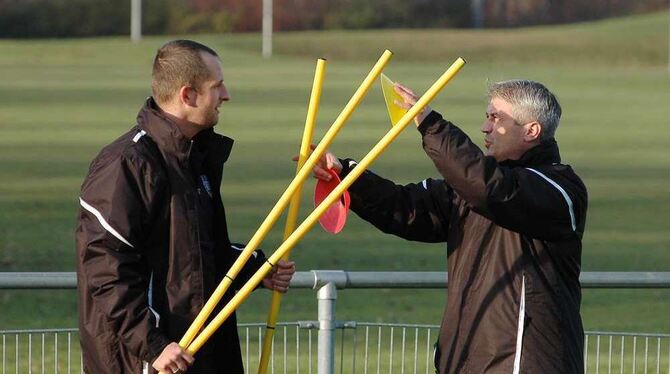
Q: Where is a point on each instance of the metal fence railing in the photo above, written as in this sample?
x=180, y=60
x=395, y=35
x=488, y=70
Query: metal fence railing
x=361, y=347
x=609, y=352
x=40, y=351
x=329, y=346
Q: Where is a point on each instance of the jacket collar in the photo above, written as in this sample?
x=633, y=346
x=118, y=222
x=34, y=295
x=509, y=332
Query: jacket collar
x=165, y=133
x=545, y=153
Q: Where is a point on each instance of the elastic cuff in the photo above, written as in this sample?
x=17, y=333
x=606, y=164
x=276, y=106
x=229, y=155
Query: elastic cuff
x=259, y=260
x=157, y=342
x=347, y=165
x=430, y=119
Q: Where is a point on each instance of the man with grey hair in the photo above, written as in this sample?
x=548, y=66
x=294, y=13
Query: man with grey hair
x=513, y=218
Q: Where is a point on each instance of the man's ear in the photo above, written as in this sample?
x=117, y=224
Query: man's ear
x=188, y=95
x=533, y=131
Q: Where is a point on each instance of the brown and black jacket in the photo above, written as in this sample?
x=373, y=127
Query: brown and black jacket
x=152, y=245
x=514, y=241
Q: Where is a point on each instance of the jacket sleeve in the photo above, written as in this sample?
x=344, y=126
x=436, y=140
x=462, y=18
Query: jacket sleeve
x=417, y=211
x=116, y=208
x=520, y=199
x=255, y=262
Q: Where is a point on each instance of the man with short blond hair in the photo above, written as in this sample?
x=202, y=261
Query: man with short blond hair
x=513, y=218
x=152, y=240
x=177, y=64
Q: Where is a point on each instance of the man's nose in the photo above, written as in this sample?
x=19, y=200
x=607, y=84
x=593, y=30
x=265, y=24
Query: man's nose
x=486, y=127
x=225, y=95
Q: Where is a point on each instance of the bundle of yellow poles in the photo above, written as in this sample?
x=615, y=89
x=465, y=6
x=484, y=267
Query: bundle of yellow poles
x=192, y=343
x=283, y=201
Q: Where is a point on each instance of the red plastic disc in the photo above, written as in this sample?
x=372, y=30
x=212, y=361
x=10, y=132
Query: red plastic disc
x=336, y=216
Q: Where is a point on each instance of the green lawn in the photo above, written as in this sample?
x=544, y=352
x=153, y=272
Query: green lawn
x=62, y=100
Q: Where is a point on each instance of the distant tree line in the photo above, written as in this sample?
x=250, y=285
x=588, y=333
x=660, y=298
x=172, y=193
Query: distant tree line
x=78, y=18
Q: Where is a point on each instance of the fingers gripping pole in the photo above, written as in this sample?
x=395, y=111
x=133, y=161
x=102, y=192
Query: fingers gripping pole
x=276, y=211
x=321, y=209
x=294, y=206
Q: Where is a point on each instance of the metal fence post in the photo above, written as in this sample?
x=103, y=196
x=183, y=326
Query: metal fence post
x=326, y=356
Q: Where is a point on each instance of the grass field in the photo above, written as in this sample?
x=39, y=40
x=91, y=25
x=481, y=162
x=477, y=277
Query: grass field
x=62, y=100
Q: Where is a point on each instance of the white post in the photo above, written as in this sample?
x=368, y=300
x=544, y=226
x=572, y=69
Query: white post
x=267, y=28
x=136, y=20
x=477, y=13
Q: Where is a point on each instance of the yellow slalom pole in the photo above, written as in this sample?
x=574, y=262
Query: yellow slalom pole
x=276, y=211
x=311, y=220
x=293, y=207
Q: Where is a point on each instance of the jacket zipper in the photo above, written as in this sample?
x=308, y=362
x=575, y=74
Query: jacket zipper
x=197, y=216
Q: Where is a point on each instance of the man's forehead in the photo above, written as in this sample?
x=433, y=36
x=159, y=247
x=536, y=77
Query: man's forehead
x=214, y=65
x=498, y=105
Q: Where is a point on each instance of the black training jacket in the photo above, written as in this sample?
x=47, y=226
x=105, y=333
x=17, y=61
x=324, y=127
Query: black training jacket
x=152, y=245
x=514, y=241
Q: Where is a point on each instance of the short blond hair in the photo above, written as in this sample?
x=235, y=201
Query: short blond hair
x=178, y=63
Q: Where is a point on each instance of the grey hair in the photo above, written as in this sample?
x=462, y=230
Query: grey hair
x=531, y=101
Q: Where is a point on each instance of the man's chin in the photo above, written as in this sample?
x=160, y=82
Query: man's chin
x=213, y=122
x=496, y=156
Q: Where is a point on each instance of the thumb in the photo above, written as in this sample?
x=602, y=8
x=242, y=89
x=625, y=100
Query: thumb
x=333, y=163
